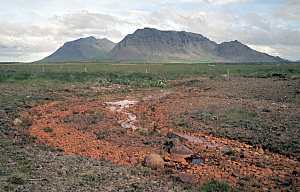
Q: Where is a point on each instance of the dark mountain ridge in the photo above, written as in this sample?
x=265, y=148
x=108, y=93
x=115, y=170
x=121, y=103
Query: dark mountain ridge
x=153, y=45
x=83, y=49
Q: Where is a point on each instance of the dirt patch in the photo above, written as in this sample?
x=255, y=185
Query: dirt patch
x=220, y=158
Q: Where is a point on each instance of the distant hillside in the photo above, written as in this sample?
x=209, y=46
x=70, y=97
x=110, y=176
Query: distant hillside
x=155, y=45
x=83, y=49
x=235, y=51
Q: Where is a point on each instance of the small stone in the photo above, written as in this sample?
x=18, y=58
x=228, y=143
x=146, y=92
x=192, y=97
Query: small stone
x=242, y=154
x=18, y=122
x=154, y=161
x=228, y=151
x=260, y=150
x=187, y=178
x=265, y=110
x=167, y=157
x=197, y=160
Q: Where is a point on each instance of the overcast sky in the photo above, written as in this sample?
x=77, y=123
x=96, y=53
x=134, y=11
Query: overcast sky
x=32, y=29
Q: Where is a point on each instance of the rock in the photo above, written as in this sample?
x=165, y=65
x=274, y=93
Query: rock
x=171, y=135
x=18, y=122
x=187, y=178
x=242, y=153
x=180, y=153
x=260, y=150
x=265, y=110
x=228, y=151
x=182, y=150
x=178, y=159
x=154, y=161
x=195, y=159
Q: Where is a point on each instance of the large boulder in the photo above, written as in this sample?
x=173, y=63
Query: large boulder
x=154, y=161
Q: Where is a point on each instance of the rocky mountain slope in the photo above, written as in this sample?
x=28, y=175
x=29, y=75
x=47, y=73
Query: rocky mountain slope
x=155, y=45
x=83, y=49
x=235, y=51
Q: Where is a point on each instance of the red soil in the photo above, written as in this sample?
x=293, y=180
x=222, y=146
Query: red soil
x=126, y=147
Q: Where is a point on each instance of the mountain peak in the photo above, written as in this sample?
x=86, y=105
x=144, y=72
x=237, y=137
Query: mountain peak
x=90, y=38
x=83, y=49
x=235, y=42
x=146, y=29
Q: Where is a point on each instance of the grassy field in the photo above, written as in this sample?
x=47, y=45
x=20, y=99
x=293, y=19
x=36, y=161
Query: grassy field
x=80, y=72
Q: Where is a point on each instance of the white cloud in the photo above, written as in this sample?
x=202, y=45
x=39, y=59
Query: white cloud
x=290, y=10
x=23, y=40
x=31, y=42
x=223, y=2
x=217, y=2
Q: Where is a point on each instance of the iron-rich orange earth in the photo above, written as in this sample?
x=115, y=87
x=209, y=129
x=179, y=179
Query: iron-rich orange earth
x=92, y=129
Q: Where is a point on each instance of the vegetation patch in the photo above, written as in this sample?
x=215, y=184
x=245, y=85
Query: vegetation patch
x=182, y=122
x=216, y=186
x=102, y=134
x=16, y=180
x=240, y=117
x=204, y=116
x=48, y=129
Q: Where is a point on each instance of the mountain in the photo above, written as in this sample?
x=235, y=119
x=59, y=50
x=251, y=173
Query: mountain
x=154, y=45
x=235, y=51
x=83, y=49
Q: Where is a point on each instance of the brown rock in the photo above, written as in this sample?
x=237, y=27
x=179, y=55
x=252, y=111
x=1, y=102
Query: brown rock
x=179, y=158
x=187, y=178
x=182, y=151
x=260, y=150
x=154, y=161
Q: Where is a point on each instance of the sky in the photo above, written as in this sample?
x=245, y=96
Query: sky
x=33, y=29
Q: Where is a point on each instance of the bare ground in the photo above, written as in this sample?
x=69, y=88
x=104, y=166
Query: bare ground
x=245, y=131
